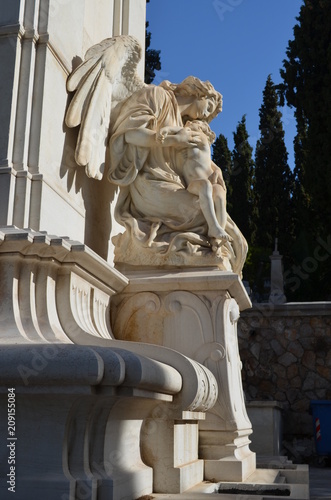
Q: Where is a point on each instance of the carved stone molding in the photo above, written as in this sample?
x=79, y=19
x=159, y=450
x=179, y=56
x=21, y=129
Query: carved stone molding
x=53, y=289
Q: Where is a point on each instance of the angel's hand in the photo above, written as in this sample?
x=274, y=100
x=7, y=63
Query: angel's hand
x=187, y=138
x=165, y=131
x=159, y=137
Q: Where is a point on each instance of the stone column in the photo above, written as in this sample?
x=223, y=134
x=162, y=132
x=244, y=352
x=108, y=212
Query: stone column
x=196, y=313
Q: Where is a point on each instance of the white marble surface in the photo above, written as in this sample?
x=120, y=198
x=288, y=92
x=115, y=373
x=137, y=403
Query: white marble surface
x=41, y=185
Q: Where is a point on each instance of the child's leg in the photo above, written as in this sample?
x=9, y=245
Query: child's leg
x=219, y=197
x=204, y=189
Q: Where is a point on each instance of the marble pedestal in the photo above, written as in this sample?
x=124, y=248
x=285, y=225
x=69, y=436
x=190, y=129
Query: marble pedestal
x=195, y=312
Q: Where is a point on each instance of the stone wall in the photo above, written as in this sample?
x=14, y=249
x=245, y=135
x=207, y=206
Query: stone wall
x=286, y=356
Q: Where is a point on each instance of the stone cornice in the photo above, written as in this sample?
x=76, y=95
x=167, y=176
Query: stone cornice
x=189, y=280
x=12, y=30
x=19, y=31
x=61, y=249
x=291, y=309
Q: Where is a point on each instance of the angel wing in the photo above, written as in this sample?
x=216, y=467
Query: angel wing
x=107, y=76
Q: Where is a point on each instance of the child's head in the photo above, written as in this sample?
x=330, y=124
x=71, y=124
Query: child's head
x=202, y=127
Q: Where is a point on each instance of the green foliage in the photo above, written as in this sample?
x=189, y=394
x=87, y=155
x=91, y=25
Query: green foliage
x=222, y=158
x=306, y=86
x=273, y=177
x=242, y=182
x=152, y=58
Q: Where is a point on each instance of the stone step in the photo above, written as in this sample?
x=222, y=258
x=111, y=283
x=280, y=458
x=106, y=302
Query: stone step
x=263, y=476
x=280, y=479
x=255, y=489
x=274, y=462
x=263, y=484
x=209, y=492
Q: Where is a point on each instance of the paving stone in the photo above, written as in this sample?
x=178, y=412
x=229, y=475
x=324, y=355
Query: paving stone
x=292, y=371
x=296, y=349
x=276, y=346
x=255, y=349
x=309, y=359
x=306, y=330
x=324, y=372
x=296, y=382
x=287, y=359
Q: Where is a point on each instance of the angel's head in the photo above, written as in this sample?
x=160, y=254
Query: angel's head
x=207, y=103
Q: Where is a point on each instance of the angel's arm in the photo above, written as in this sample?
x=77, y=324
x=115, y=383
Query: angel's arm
x=143, y=137
x=147, y=138
x=170, y=130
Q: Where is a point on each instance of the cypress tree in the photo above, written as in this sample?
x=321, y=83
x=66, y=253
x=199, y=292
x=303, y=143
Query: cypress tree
x=241, y=181
x=222, y=158
x=152, y=57
x=273, y=177
x=306, y=86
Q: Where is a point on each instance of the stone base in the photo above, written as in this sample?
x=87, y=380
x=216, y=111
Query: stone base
x=230, y=468
x=293, y=482
x=196, y=251
x=195, y=312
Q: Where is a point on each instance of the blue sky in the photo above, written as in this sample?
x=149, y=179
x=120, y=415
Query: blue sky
x=235, y=44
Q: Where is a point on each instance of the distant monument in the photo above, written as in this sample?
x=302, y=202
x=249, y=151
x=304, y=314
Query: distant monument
x=277, y=295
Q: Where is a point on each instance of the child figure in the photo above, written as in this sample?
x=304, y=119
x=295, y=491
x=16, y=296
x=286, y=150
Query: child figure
x=202, y=177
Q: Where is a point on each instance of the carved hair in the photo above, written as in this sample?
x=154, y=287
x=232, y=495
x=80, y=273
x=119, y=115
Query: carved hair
x=193, y=86
x=203, y=127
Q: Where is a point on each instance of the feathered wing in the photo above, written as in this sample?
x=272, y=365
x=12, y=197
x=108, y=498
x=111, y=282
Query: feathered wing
x=107, y=76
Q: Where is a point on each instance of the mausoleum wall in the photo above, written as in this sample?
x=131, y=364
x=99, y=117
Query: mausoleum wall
x=286, y=356
x=41, y=186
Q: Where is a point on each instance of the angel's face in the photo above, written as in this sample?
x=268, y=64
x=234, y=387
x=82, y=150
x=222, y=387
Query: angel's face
x=201, y=108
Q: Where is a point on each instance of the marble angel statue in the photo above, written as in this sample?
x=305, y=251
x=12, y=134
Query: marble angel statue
x=154, y=143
